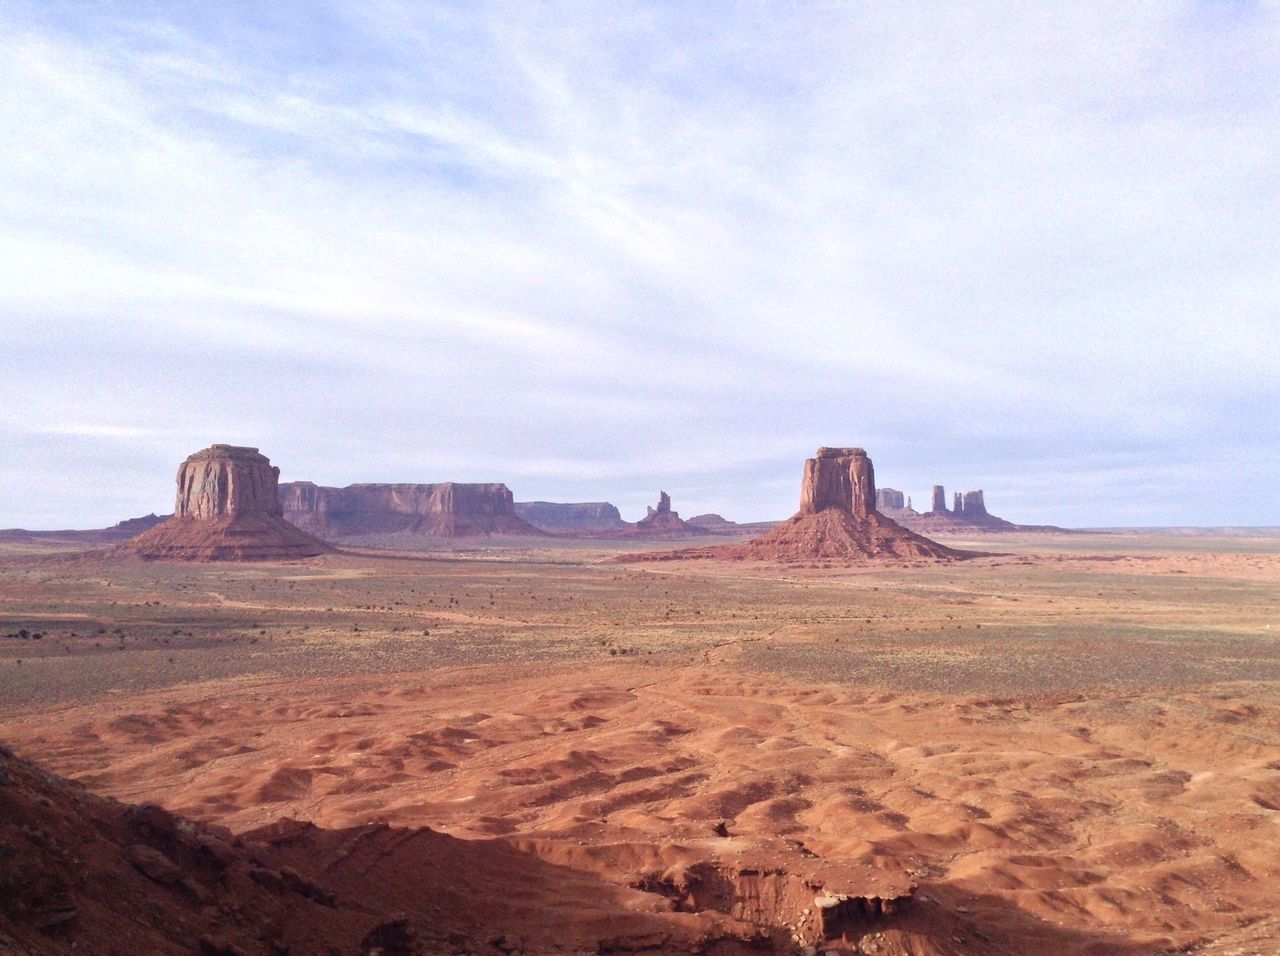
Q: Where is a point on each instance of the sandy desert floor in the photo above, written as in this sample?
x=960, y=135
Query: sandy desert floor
x=1073, y=747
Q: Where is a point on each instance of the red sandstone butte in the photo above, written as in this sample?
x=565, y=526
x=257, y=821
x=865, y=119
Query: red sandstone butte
x=838, y=519
x=226, y=510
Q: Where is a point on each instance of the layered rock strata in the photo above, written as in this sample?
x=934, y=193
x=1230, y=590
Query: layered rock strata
x=569, y=517
x=889, y=498
x=226, y=510
x=363, y=513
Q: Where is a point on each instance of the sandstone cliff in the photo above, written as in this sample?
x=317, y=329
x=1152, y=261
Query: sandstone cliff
x=396, y=513
x=889, y=499
x=569, y=517
x=226, y=509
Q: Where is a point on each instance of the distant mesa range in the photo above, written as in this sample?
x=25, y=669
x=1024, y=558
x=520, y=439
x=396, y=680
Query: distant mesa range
x=230, y=505
x=600, y=519
x=968, y=513
x=837, y=520
x=570, y=517
x=390, y=514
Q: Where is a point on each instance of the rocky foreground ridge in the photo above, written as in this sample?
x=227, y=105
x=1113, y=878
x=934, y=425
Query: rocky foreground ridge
x=83, y=873
x=226, y=510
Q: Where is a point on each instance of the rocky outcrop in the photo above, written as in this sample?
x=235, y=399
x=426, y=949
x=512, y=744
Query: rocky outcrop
x=82, y=873
x=718, y=524
x=395, y=513
x=968, y=513
x=662, y=522
x=837, y=520
x=889, y=499
x=226, y=510
x=664, y=506
x=225, y=480
x=570, y=517
x=939, y=500
x=839, y=478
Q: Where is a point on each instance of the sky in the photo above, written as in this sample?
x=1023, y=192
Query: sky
x=595, y=250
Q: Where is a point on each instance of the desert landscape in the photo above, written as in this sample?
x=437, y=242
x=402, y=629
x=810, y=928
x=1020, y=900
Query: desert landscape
x=1017, y=743
x=640, y=478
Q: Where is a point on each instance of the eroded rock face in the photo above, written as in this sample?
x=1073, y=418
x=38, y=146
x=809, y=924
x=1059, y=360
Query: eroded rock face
x=571, y=516
x=445, y=509
x=227, y=480
x=662, y=522
x=840, y=478
x=939, y=504
x=889, y=499
x=226, y=510
x=972, y=504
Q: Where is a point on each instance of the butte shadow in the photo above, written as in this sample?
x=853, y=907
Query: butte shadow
x=837, y=521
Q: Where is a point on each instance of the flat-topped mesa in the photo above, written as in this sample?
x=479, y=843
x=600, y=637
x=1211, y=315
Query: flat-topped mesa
x=570, y=517
x=972, y=504
x=889, y=499
x=372, y=514
x=226, y=480
x=840, y=478
x=226, y=509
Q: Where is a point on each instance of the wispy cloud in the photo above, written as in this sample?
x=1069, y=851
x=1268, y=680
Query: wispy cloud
x=563, y=245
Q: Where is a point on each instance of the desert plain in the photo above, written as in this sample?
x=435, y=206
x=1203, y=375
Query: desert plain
x=1069, y=746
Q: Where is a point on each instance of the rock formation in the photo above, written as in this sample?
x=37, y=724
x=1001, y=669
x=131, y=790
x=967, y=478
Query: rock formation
x=939, y=500
x=889, y=499
x=570, y=517
x=94, y=538
x=839, y=478
x=396, y=513
x=837, y=520
x=664, y=506
x=662, y=522
x=968, y=513
x=226, y=509
x=718, y=524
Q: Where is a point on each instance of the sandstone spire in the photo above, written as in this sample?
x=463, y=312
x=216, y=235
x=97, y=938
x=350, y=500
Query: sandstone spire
x=939, y=500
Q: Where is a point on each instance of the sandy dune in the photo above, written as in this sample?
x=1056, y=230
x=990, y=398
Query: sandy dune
x=1062, y=752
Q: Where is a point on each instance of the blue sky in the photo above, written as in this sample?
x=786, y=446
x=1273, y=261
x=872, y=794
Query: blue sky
x=594, y=250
